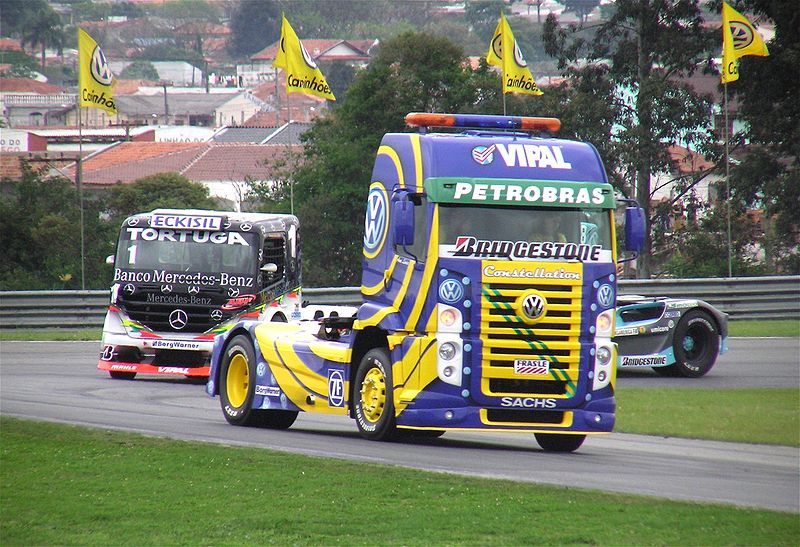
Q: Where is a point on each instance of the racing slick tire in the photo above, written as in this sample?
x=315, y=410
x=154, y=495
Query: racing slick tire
x=559, y=442
x=696, y=345
x=117, y=375
x=373, y=396
x=237, y=388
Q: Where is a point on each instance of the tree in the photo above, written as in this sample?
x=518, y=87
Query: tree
x=40, y=235
x=413, y=72
x=582, y=8
x=254, y=25
x=640, y=58
x=768, y=176
x=16, y=14
x=44, y=28
x=140, y=70
x=168, y=190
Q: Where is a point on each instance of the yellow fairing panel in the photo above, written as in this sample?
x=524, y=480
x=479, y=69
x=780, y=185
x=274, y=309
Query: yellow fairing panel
x=299, y=361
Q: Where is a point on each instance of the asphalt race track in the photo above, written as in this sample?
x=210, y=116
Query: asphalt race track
x=58, y=381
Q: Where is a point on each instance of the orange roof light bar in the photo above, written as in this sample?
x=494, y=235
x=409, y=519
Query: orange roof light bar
x=483, y=121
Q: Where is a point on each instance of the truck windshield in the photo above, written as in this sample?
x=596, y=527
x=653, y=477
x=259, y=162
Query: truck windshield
x=187, y=251
x=491, y=229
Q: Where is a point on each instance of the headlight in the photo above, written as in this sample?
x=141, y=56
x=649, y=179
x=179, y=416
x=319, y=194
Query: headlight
x=449, y=365
x=449, y=318
x=603, y=355
x=604, y=324
x=447, y=351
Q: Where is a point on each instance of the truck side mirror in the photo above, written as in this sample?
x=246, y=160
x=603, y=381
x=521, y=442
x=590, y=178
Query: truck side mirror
x=403, y=211
x=634, y=229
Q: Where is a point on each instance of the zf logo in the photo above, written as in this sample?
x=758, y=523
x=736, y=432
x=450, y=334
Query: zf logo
x=335, y=388
x=451, y=291
x=376, y=221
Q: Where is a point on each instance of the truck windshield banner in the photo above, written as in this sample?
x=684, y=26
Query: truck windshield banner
x=472, y=247
x=520, y=192
x=186, y=222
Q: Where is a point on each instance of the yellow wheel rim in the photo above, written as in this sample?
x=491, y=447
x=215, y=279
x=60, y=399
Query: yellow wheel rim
x=238, y=380
x=373, y=394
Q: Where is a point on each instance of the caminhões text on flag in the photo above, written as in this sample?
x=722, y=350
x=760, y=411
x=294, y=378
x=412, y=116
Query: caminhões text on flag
x=302, y=73
x=95, y=80
x=505, y=53
x=739, y=38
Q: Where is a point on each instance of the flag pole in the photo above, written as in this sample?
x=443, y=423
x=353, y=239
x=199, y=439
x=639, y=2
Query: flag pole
x=727, y=180
x=79, y=184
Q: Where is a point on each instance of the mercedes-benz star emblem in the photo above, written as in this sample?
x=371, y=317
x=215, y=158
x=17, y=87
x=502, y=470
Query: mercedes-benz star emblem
x=194, y=290
x=233, y=292
x=178, y=319
x=216, y=315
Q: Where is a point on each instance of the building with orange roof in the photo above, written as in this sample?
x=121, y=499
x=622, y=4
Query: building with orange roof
x=259, y=69
x=226, y=169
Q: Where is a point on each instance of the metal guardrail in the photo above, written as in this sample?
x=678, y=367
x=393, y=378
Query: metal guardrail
x=740, y=297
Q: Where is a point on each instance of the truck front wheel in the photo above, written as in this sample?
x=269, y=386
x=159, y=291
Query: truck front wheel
x=237, y=389
x=374, y=396
x=557, y=442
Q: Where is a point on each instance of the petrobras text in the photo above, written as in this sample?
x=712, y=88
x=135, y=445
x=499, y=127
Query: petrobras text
x=533, y=194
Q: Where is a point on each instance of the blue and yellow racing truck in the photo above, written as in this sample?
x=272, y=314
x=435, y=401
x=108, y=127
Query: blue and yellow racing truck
x=488, y=287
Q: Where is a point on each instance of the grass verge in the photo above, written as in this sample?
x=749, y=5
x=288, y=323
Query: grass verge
x=783, y=328
x=67, y=485
x=749, y=415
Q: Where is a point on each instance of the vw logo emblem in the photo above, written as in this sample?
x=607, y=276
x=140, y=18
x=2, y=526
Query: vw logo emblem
x=216, y=315
x=194, y=290
x=376, y=221
x=605, y=296
x=532, y=306
x=451, y=291
x=178, y=319
x=99, y=68
x=233, y=292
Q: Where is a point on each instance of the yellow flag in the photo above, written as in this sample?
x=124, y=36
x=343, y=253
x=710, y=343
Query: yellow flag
x=505, y=53
x=739, y=38
x=302, y=73
x=94, y=77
